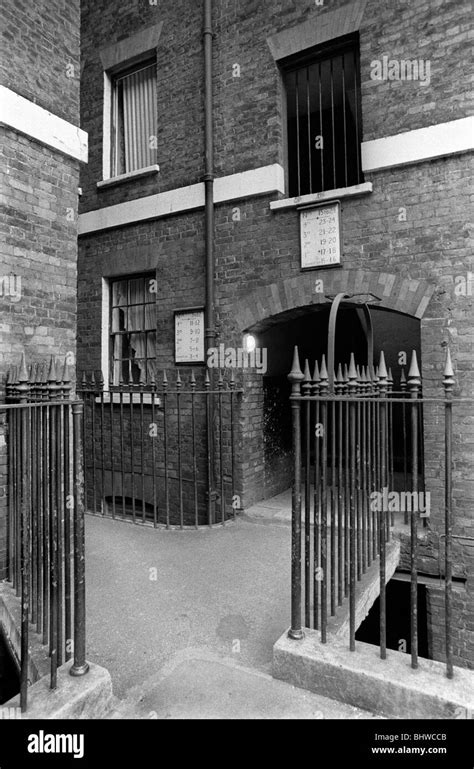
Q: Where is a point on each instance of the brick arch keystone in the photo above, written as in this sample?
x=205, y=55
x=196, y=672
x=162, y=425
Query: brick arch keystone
x=404, y=295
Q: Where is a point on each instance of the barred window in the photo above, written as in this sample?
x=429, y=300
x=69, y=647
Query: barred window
x=134, y=122
x=133, y=330
x=324, y=120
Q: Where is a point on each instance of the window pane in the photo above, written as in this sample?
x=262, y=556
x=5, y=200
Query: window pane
x=316, y=132
x=119, y=293
x=150, y=317
x=151, y=345
x=338, y=118
x=138, y=345
x=135, y=318
x=118, y=319
x=118, y=346
x=139, y=118
x=151, y=371
x=292, y=133
x=136, y=291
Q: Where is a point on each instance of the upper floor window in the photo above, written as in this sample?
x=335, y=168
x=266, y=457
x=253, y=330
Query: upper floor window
x=324, y=119
x=134, y=122
x=133, y=329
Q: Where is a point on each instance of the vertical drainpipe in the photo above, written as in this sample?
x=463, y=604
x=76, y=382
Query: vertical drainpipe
x=210, y=333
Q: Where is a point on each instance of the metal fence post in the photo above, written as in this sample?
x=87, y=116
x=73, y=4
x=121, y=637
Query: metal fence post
x=414, y=382
x=23, y=390
x=448, y=384
x=80, y=666
x=383, y=514
x=296, y=377
x=352, y=386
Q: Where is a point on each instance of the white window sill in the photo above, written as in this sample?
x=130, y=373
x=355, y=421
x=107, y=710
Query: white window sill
x=124, y=397
x=131, y=175
x=319, y=197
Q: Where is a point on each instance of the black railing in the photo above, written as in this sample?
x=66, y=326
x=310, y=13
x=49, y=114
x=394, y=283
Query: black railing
x=153, y=456
x=45, y=546
x=359, y=460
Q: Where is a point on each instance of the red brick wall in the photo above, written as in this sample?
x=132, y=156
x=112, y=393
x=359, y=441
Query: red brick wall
x=40, y=54
x=40, y=61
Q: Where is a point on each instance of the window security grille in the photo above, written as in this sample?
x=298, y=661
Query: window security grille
x=324, y=122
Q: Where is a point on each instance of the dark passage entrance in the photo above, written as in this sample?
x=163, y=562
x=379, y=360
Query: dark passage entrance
x=398, y=620
x=396, y=334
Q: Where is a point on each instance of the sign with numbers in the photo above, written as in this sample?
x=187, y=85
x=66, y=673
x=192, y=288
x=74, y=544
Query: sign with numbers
x=320, y=232
x=189, y=336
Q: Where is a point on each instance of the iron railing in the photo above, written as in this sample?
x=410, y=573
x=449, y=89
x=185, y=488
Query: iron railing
x=45, y=541
x=358, y=457
x=154, y=457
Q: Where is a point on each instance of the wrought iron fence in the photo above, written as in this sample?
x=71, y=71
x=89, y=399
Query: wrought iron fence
x=45, y=531
x=358, y=456
x=157, y=456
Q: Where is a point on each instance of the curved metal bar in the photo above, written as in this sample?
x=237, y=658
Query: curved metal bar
x=332, y=336
x=363, y=313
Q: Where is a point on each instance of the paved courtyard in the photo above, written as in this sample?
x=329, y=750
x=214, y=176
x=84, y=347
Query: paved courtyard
x=185, y=621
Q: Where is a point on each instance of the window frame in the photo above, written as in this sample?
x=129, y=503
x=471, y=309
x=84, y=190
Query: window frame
x=135, y=64
x=121, y=73
x=148, y=275
x=299, y=61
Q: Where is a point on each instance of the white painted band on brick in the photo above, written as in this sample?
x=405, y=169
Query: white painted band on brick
x=32, y=120
x=259, y=181
x=322, y=197
x=416, y=146
x=141, y=209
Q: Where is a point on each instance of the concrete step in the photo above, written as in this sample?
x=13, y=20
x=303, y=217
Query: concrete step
x=213, y=688
x=390, y=686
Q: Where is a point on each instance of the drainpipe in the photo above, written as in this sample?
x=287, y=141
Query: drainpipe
x=210, y=333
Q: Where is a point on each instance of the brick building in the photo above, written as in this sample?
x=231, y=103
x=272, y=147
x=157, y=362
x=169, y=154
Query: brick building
x=364, y=104
x=41, y=151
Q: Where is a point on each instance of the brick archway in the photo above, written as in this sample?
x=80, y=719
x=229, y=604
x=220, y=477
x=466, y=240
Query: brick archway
x=404, y=295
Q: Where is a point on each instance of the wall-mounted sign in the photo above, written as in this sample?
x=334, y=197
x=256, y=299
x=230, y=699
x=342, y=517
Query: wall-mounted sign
x=189, y=336
x=320, y=233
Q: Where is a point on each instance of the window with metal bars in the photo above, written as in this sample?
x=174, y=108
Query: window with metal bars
x=133, y=330
x=134, y=120
x=324, y=119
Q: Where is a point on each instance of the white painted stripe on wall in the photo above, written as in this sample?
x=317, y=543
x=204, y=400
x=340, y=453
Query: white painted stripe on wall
x=141, y=209
x=259, y=181
x=28, y=118
x=416, y=146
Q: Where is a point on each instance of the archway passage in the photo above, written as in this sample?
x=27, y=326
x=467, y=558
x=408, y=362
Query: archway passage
x=396, y=334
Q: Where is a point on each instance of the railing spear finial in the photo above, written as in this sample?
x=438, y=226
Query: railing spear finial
x=382, y=371
x=414, y=376
x=306, y=386
x=296, y=375
x=448, y=375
